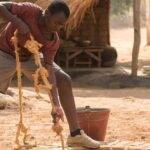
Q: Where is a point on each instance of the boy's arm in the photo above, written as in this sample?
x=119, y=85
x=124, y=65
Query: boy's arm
x=57, y=112
x=52, y=80
x=48, y=55
x=48, y=50
x=8, y=16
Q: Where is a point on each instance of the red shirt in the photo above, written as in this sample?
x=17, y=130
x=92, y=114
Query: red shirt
x=29, y=13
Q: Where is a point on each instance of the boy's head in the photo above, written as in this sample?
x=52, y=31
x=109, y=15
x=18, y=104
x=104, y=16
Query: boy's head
x=56, y=15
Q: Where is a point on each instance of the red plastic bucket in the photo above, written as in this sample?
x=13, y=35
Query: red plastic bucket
x=94, y=121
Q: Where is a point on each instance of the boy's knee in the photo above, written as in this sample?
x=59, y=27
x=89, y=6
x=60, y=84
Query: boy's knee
x=63, y=79
x=66, y=79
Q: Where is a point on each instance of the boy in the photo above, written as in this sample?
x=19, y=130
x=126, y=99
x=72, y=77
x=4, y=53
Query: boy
x=43, y=25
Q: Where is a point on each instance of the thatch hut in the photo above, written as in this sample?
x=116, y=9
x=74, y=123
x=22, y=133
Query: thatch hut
x=89, y=19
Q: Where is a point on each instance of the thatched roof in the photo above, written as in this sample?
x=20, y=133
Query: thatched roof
x=78, y=10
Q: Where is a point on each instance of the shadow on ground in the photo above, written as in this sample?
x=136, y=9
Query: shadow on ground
x=117, y=81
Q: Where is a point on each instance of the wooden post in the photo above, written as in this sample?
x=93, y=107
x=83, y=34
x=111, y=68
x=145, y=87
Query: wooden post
x=137, y=36
x=148, y=21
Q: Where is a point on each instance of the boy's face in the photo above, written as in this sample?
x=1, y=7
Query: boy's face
x=55, y=22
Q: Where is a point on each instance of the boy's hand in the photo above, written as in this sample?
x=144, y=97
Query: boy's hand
x=23, y=28
x=21, y=25
x=23, y=31
x=57, y=114
x=22, y=38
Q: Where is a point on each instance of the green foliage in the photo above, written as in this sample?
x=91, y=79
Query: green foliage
x=120, y=7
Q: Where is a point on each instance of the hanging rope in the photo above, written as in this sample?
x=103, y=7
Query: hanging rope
x=41, y=73
x=21, y=135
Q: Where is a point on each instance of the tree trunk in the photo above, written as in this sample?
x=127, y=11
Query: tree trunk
x=148, y=21
x=137, y=36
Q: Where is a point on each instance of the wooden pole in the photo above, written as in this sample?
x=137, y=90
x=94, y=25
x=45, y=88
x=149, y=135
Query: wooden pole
x=148, y=21
x=137, y=36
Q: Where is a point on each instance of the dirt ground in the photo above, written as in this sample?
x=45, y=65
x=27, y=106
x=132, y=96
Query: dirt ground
x=122, y=39
x=129, y=118
x=130, y=108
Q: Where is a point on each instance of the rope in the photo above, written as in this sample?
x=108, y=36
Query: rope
x=21, y=135
x=42, y=73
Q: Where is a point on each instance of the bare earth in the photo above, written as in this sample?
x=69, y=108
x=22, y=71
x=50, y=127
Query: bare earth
x=130, y=108
x=122, y=40
x=129, y=118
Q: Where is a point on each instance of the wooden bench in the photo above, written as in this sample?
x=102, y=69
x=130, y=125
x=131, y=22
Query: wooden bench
x=71, y=55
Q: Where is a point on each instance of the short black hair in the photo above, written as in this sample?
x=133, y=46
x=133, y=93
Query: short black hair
x=59, y=6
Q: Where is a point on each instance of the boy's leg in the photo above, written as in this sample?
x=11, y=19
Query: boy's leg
x=64, y=89
x=7, y=71
x=77, y=137
x=64, y=86
x=67, y=101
